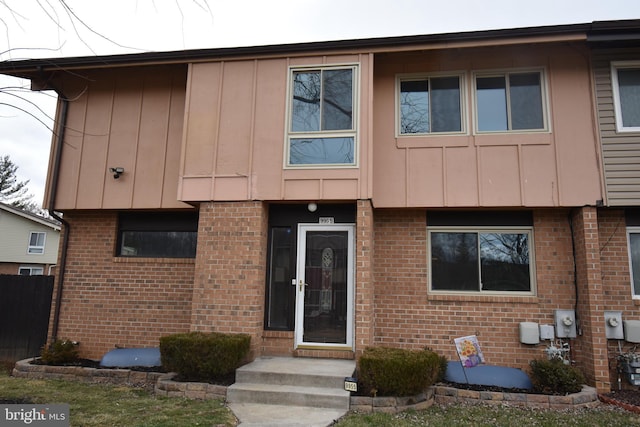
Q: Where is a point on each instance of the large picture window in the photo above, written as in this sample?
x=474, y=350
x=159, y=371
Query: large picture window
x=322, y=128
x=625, y=78
x=511, y=101
x=157, y=235
x=430, y=105
x=471, y=253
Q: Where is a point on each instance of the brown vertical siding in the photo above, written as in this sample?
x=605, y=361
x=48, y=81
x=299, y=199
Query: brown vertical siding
x=130, y=118
x=535, y=169
x=620, y=151
x=235, y=129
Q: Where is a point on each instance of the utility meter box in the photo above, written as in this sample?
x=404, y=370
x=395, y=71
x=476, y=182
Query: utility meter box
x=565, y=323
x=529, y=333
x=632, y=331
x=613, y=325
x=546, y=332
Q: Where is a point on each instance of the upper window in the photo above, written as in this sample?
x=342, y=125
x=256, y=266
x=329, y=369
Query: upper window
x=481, y=258
x=322, y=128
x=36, y=242
x=625, y=79
x=158, y=235
x=430, y=105
x=511, y=101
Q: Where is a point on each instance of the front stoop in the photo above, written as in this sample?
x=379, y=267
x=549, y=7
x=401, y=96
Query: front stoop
x=289, y=391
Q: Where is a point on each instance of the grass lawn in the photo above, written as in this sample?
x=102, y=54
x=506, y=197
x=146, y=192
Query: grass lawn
x=107, y=405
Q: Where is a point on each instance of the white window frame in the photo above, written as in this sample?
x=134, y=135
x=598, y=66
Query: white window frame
x=630, y=231
x=615, y=66
x=544, y=94
x=462, y=78
x=528, y=230
x=33, y=271
x=352, y=133
x=37, y=249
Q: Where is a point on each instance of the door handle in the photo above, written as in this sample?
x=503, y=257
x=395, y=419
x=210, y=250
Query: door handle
x=301, y=285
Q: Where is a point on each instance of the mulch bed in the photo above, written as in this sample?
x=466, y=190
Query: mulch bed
x=627, y=399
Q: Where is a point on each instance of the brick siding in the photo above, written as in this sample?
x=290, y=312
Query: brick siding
x=408, y=316
x=229, y=285
x=109, y=301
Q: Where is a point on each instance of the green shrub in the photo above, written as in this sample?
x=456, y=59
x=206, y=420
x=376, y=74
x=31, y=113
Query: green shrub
x=386, y=371
x=205, y=357
x=554, y=377
x=60, y=352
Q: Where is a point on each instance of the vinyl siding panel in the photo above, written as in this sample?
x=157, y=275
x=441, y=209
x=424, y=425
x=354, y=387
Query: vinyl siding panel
x=14, y=240
x=620, y=151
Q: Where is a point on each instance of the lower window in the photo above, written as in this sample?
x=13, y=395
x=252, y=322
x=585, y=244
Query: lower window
x=30, y=271
x=157, y=235
x=492, y=260
x=633, y=234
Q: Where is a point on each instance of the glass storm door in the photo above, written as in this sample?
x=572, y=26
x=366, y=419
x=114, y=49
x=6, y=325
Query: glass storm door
x=324, y=286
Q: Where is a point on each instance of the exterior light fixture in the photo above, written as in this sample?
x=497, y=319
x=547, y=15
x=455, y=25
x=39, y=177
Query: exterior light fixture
x=117, y=171
x=312, y=207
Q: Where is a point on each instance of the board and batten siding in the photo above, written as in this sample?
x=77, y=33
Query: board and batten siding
x=620, y=151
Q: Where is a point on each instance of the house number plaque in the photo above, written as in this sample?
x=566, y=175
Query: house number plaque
x=325, y=220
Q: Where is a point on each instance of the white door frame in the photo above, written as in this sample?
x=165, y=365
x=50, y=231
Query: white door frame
x=300, y=284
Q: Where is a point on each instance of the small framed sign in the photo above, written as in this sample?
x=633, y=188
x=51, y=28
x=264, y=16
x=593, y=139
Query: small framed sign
x=350, y=384
x=326, y=220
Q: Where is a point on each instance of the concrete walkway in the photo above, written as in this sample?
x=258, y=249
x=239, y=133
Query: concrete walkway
x=287, y=391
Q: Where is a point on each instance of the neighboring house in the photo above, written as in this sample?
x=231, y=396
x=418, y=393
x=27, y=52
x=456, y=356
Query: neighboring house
x=325, y=197
x=28, y=242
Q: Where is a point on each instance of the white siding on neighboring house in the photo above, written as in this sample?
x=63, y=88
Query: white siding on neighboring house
x=15, y=232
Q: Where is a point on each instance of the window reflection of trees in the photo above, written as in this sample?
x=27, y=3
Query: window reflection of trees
x=321, y=151
x=503, y=263
x=322, y=100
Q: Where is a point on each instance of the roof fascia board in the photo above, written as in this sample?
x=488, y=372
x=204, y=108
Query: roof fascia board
x=27, y=68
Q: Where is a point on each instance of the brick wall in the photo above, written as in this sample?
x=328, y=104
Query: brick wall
x=9, y=268
x=616, y=280
x=230, y=264
x=108, y=301
x=364, y=292
x=408, y=316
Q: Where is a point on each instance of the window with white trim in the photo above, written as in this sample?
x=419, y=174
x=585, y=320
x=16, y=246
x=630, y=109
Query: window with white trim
x=322, y=117
x=510, y=101
x=625, y=80
x=430, y=104
x=477, y=256
x=36, y=242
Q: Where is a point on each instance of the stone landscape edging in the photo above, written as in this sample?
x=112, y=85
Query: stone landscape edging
x=162, y=384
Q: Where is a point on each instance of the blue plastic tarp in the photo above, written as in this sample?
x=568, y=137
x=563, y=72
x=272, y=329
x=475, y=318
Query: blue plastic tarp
x=131, y=357
x=488, y=375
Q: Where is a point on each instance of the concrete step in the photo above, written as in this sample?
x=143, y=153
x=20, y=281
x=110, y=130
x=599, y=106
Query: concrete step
x=270, y=394
x=294, y=381
x=258, y=415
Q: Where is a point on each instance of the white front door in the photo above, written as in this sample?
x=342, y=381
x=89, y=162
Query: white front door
x=325, y=286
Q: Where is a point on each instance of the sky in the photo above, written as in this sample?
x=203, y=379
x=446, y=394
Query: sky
x=45, y=29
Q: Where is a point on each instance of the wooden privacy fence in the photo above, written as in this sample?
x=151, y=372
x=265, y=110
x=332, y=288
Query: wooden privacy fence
x=25, y=302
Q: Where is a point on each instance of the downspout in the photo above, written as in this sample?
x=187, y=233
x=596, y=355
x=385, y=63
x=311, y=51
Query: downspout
x=64, y=107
